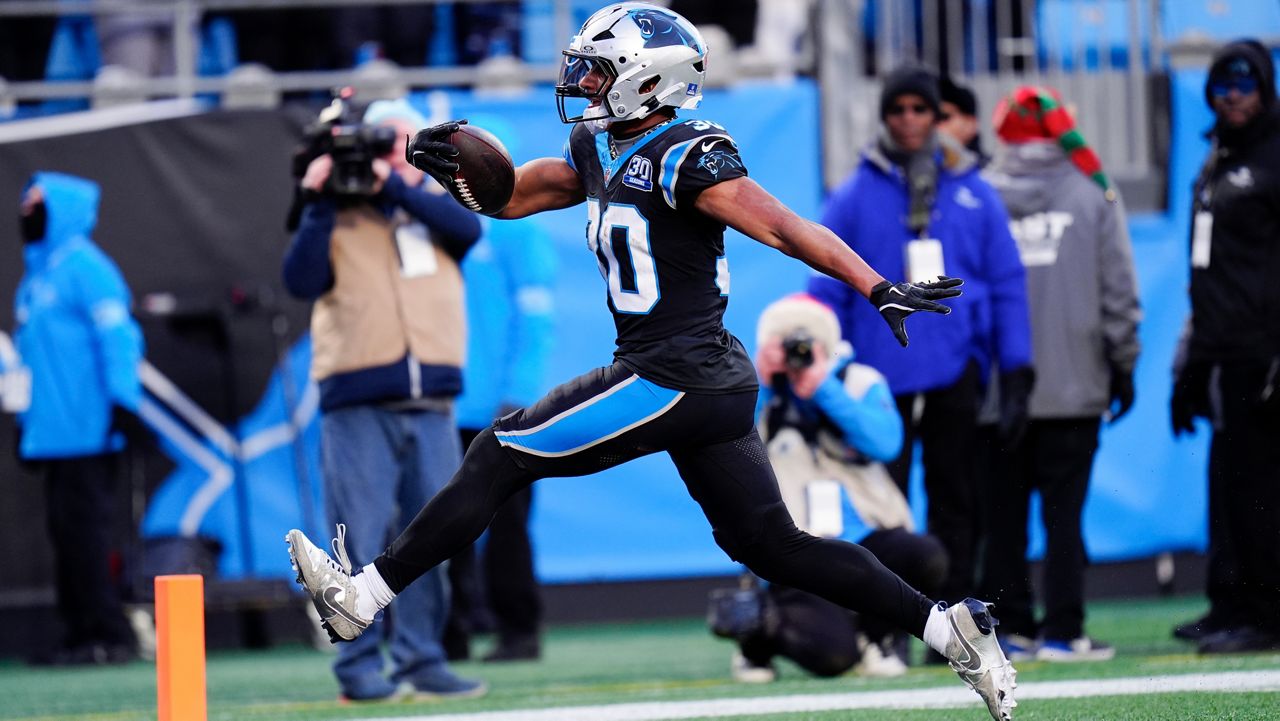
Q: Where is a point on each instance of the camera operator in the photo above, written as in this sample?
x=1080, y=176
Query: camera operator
x=378, y=248
x=829, y=425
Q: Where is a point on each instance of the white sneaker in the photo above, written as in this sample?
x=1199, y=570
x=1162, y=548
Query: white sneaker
x=1018, y=647
x=975, y=655
x=877, y=662
x=745, y=672
x=1079, y=649
x=328, y=583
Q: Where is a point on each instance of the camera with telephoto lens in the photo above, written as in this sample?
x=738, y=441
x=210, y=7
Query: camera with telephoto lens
x=797, y=348
x=353, y=146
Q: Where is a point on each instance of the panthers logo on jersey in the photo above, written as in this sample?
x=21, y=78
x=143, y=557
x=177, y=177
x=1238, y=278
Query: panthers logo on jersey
x=717, y=160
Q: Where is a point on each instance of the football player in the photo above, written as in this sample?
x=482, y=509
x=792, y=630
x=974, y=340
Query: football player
x=659, y=192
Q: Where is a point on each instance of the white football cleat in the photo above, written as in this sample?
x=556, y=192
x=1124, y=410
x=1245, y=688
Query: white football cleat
x=975, y=655
x=328, y=583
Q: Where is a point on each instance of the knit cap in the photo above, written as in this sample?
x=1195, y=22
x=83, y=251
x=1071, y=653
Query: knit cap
x=1036, y=112
x=909, y=79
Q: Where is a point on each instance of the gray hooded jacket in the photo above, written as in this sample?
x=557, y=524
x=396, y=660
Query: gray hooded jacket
x=1080, y=279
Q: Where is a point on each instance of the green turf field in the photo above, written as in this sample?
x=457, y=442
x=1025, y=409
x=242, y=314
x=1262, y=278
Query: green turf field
x=656, y=662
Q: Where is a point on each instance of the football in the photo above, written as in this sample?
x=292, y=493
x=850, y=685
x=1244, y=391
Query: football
x=486, y=177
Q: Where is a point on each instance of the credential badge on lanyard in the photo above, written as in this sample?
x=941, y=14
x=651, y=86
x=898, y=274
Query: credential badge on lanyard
x=417, y=254
x=924, y=260
x=1202, y=239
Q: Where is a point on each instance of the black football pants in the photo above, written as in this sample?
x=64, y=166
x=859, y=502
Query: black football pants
x=610, y=416
x=509, y=585
x=821, y=637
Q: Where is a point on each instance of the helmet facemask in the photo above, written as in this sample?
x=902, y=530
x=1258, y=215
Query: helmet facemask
x=576, y=70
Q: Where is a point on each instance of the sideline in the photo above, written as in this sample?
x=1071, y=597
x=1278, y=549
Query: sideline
x=950, y=697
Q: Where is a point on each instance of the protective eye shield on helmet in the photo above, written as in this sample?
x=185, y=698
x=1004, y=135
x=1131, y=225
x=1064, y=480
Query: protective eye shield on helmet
x=573, y=74
x=576, y=69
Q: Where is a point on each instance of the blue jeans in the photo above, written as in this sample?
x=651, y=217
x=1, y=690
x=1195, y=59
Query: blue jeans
x=380, y=467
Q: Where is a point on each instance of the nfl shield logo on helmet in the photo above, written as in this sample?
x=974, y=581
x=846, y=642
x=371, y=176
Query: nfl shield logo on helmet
x=692, y=89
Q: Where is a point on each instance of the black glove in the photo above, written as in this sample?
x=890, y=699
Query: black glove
x=1190, y=397
x=1015, y=397
x=427, y=151
x=896, y=302
x=1121, y=394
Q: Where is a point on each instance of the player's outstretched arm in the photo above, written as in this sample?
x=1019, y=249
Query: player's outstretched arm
x=543, y=184
x=744, y=206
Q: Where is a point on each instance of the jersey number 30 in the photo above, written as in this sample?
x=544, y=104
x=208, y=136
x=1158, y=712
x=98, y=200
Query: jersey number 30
x=620, y=242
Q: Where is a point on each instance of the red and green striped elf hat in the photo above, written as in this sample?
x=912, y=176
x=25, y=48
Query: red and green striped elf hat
x=1036, y=112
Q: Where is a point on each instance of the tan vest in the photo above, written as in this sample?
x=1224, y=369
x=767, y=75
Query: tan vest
x=374, y=315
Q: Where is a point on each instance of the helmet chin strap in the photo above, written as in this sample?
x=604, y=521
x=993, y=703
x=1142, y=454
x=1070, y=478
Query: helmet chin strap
x=595, y=126
x=598, y=119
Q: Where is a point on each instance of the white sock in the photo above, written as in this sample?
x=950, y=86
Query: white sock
x=936, y=630
x=372, y=593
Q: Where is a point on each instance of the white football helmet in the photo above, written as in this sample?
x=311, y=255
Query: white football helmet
x=640, y=58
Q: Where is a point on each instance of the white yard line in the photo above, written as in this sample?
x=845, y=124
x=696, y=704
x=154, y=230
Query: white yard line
x=949, y=697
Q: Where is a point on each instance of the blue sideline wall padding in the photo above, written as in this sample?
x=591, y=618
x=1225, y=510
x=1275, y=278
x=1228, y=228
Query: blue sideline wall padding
x=636, y=521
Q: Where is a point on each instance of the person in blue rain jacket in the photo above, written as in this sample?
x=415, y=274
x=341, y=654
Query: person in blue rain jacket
x=77, y=340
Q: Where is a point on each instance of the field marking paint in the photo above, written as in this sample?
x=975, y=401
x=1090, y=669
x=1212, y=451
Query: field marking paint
x=951, y=697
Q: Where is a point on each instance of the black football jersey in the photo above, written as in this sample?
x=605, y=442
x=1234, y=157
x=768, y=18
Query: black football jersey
x=663, y=261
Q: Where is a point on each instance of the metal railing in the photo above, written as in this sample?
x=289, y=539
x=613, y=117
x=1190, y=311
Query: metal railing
x=1112, y=100
x=186, y=17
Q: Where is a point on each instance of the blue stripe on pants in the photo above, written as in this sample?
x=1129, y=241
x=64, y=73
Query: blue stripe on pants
x=616, y=410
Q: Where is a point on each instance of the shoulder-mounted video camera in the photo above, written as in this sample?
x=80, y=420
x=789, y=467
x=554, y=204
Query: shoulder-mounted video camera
x=353, y=146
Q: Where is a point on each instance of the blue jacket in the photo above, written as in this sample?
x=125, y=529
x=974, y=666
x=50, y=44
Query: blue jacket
x=74, y=331
x=854, y=401
x=868, y=212
x=509, y=276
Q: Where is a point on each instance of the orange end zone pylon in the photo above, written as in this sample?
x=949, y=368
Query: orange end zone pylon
x=180, y=673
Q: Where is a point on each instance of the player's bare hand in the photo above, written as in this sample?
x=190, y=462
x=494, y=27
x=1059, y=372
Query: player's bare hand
x=381, y=171
x=770, y=359
x=897, y=301
x=430, y=152
x=317, y=173
x=805, y=381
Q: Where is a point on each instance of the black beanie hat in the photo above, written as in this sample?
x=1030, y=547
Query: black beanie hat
x=909, y=80
x=1259, y=59
x=949, y=91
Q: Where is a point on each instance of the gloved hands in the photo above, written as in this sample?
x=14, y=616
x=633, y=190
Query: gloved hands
x=427, y=151
x=896, y=302
x=1190, y=396
x=1122, y=394
x=1015, y=398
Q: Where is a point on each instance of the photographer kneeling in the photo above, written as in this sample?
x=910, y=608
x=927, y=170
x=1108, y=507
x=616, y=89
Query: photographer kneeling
x=829, y=425
x=378, y=248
